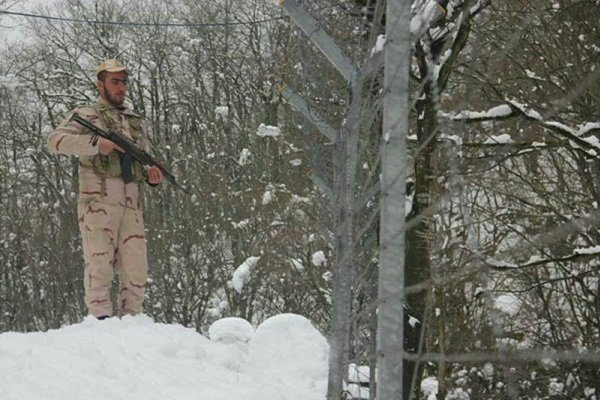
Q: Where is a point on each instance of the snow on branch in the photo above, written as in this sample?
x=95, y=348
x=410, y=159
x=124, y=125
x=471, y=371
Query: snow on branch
x=241, y=275
x=498, y=112
x=448, y=28
x=594, y=250
x=580, y=137
x=268, y=130
x=427, y=13
x=577, y=253
x=492, y=262
x=576, y=136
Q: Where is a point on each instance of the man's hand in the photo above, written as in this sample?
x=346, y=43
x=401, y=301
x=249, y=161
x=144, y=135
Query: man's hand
x=155, y=175
x=106, y=146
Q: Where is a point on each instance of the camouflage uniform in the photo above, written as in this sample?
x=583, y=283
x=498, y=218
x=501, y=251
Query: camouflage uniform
x=109, y=210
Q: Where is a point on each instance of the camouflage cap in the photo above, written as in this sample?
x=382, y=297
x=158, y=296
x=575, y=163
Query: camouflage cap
x=111, y=65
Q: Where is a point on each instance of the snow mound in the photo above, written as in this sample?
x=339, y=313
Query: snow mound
x=137, y=358
x=229, y=330
x=294, y=346
x=288, y=345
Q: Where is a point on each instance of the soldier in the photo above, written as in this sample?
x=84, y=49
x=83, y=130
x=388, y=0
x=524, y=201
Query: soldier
x=109, y=210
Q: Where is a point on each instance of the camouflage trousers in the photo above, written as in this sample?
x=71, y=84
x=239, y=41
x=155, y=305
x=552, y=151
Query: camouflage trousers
x=113, y=239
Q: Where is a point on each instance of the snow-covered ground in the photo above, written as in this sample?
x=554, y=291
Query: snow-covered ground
x=285, y=358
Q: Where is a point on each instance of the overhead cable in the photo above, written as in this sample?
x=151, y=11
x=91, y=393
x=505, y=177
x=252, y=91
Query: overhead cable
x=142, y=24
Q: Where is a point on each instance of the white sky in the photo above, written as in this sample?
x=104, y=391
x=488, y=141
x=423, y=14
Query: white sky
x=11, y=26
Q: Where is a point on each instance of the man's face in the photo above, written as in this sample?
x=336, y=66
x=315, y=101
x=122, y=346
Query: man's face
x=114, y=87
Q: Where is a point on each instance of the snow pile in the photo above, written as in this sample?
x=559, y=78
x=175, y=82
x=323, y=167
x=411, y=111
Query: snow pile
x=231, y=330
x=267, y=196
x=288, y=349
x=318, y=258
x=379, y=45
x=222, y=110
x=244, y=156
x=136, y=358
x=430, y=387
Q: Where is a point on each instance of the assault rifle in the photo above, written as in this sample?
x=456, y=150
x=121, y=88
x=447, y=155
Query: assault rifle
x=130, y=149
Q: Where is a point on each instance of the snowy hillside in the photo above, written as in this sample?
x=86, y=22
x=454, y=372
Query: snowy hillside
x=137, y=358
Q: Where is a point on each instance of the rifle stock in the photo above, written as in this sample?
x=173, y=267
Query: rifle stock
x=130, y=148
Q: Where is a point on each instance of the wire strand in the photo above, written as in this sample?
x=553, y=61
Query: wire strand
x=142, y=24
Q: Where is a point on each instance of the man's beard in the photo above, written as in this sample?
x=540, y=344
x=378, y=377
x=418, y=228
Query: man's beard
x=113, y=100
